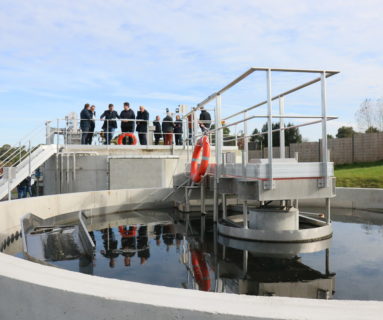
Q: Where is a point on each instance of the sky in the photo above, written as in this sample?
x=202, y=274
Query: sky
x=55, y=56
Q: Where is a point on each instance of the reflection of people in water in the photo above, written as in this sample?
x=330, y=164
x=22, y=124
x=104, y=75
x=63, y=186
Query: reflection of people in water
x=110, y=245
x=128, y=243
x=179, y=239
x=157, y=233
x=168, y=235
x=142, y=244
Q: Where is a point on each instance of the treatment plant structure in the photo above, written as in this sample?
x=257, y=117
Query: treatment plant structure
x=254, y=205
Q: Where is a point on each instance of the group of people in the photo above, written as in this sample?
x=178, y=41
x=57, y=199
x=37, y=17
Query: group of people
x=135, y=240
x=24, y=188
x=131, y=122
x=128, y=122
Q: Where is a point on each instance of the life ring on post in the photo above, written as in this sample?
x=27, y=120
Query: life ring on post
x=124, y=135
x=198, y=171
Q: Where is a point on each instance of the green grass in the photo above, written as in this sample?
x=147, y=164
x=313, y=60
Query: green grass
x=360, y=175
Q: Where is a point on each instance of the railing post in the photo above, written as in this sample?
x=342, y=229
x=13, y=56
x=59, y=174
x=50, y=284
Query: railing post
x=218, y=153
x=29, y=158
x=324, y=129
x=282, y=153
x=57, y=134
x=269, y=182
x=195, y=127
x=245, y=141
x=19, y=152
x=48, y=133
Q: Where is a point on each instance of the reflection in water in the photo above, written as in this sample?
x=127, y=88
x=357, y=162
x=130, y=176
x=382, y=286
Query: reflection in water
x=157, y=248
x=187, y=254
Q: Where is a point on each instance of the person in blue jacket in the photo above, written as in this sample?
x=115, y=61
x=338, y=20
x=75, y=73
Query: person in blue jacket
x=110, y=123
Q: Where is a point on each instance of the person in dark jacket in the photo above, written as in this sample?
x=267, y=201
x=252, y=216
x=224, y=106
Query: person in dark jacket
x=128, y=243
x=110, y=246
x=204, y=120
x=157, y=130
x=110, y=123
x=178, y=130
x=167, y=129
x=143, y=244
x=22, y=189
x=92, y=124
x=142, y=125
x=85, y=117
x=127, y=123
x=127, y=115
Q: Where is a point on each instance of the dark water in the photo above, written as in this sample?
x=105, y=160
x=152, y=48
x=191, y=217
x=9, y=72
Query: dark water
x=171, y=250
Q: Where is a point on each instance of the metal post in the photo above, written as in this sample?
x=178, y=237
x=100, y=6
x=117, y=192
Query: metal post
x=29, y=159
x=324, y=129
x=245, y=141
x=328, y=210
x=19, y=152
x=218, y=153
x=236, y=136
x=67, y=171
x=269, y=183
x=224, y=208
x=66, y=131
x=195, y=128
x=281, y=127
x=203, y=228
x=48, y=133
x=74, y=166
x=327, y=262
x=57, y=134
x=245, y=212
x=9, y=187
x=203, y=197
x=245, y=261
x=187, y=203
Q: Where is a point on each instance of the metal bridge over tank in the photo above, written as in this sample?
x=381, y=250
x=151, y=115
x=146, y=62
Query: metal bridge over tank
x=268, y=190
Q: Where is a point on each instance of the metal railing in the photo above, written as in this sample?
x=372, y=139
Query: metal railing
x=223, y=122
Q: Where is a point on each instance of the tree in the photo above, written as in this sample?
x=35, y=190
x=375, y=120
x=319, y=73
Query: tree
x=228, y=140
x=292, y=135
x=330, y=136
x=345, y=132
x=370, y=114
x=372, y=130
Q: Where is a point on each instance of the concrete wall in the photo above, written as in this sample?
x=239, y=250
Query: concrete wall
x=109, y=201
x=366, y=147
x=32, y=291
x=352, y=198
x=40, y=292
x=142, y=172
x=80, y=168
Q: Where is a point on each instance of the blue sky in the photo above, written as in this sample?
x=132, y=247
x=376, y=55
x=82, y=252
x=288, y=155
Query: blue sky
x=57, y=55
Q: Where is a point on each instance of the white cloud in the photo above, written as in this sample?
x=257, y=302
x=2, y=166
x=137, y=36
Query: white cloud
x=170, y=50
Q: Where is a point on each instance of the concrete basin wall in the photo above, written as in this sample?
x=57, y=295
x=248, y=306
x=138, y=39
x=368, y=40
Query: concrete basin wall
x=97, y=201
x=33, y=291
x=352, y=198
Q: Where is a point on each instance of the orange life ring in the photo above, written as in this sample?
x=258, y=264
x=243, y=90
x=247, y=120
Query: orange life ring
x=197, y=171
x=200, y=269
x=123, y=135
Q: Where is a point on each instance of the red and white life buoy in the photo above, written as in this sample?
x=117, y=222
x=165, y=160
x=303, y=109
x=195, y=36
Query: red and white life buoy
x=124, y=135
x=200, y=270
x=198, y=171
